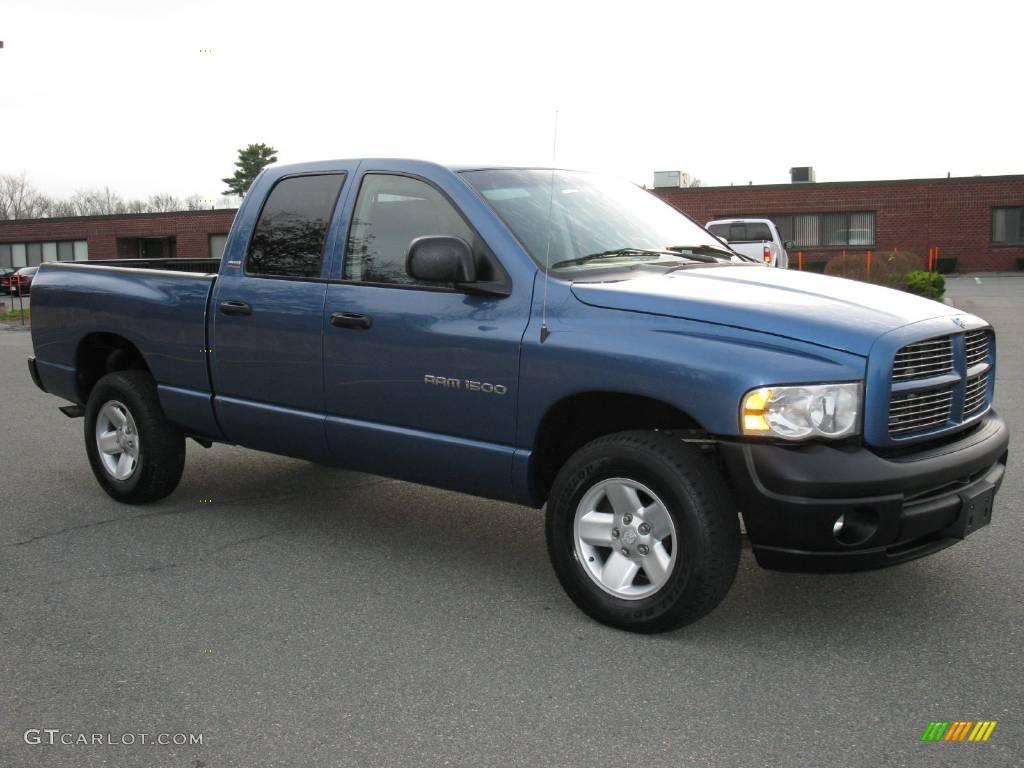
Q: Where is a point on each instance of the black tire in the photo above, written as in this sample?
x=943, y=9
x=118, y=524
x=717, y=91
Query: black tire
x=161, y=455
x=692, y=490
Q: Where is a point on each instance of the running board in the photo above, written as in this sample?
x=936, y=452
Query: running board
x=72, y=411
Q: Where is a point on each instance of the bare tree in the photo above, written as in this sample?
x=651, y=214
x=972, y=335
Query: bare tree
x=111, y=202
x=60, y=208
x=162, y=203
x=20, y=200
x=97, y=202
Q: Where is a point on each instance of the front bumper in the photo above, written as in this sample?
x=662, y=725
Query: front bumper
x=915, y=504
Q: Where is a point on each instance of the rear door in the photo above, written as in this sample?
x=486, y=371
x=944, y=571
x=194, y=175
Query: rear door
x=266, y=334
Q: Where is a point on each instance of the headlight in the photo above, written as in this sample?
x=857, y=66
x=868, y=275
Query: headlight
x=797, y=413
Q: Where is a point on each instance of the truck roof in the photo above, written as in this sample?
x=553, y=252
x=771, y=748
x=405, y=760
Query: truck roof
x=740, y=218
x=319, y=165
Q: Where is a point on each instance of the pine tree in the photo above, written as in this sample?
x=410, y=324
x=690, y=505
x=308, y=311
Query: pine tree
x=251, y=160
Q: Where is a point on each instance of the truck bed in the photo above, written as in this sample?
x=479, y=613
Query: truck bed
x=159, y=305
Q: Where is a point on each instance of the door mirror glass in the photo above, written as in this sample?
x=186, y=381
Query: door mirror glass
x=788, y=244
x=437, y=259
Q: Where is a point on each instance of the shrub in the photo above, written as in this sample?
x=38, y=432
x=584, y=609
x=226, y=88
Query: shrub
x=1020, y=262
x=946, y=265
x=888, y=268
x=931, y=285
x=815, y=266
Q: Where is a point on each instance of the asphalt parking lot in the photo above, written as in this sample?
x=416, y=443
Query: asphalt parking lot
x=311, y=617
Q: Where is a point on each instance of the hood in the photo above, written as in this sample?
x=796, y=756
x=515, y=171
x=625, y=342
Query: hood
x=842, y=314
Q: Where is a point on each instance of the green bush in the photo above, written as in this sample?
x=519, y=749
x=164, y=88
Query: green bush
x=888, y=268
x=1020, y=262
x=815, y=266
x=931, y=285
x=946, y=265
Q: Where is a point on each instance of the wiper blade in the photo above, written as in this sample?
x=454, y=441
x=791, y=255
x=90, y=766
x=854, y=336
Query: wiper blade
x=713, y=250
x=625, y=252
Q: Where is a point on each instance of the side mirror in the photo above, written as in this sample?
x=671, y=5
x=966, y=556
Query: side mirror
x=724, y=240
x=440, y=260
x=787, y=244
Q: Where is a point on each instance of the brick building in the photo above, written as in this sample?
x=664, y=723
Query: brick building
x=185, y=234
x=977, y=220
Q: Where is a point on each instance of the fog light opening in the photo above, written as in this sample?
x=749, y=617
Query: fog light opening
x=855, y=526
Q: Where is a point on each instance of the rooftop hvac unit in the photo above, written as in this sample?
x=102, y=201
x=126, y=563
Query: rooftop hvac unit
x=663, y=179
x=802, y=175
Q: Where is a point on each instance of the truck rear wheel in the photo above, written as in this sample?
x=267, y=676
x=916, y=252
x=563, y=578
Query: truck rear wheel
x=642, y=532
x=136, y=454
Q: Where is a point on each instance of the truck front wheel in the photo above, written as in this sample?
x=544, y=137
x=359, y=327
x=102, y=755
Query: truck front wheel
x=136, y=454
x=642, y=531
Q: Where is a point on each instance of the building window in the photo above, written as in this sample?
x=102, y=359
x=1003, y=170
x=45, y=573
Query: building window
x=16, y=255
x=217, y=245
x=35, y=254
x=824, y=230
x=1008, y=225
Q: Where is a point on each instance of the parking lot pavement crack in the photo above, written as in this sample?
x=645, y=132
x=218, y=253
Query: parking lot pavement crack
x=242, y=542
x=162, y=566
x=162, y=513
x=113, y=574
x=95, y=524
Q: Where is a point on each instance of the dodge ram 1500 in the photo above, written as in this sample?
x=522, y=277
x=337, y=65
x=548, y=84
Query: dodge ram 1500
x=552, y=338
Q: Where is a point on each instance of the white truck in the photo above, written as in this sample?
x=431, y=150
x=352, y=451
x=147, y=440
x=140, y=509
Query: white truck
x=757, y=238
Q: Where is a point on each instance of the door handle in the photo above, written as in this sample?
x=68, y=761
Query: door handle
x=235, y=307
x=351, y=320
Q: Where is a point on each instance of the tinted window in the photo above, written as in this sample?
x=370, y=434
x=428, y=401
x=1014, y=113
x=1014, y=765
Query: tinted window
x=289, y=236
x=390, y=213
x=751, y=232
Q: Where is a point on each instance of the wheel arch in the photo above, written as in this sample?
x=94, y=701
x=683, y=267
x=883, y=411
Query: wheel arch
x=577, y=419
x=101, y=353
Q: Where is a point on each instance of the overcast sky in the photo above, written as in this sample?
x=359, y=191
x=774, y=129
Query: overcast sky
x=119, y=93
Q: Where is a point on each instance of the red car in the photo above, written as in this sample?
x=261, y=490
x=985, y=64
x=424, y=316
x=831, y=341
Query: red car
x=11, y=280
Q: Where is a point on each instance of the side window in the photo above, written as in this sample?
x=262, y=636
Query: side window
x=289, y=237
x=390, y=213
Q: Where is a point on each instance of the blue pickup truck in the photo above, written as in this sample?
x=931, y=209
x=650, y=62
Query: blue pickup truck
x=551, y=338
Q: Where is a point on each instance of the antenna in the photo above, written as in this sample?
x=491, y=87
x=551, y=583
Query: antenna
x=547, y=247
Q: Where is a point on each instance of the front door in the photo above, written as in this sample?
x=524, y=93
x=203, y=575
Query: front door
x=420, y=379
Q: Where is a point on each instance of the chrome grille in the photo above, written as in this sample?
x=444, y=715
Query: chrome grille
x=974, y=394
x=923, y=359
x=917, y=405
x=976, y=344
x=912, y=411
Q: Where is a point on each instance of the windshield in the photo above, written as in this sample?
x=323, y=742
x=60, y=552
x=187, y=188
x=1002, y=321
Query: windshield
x=590, y=215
